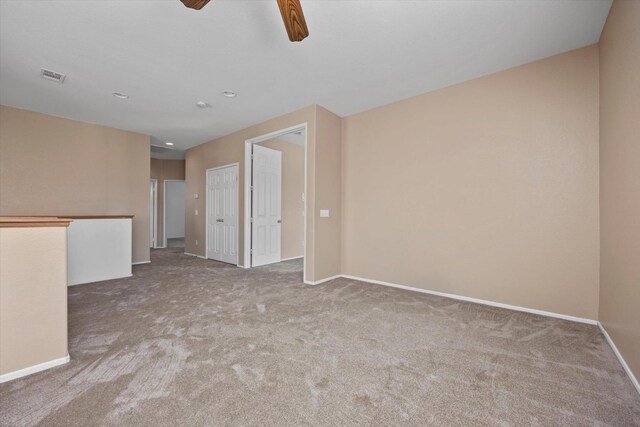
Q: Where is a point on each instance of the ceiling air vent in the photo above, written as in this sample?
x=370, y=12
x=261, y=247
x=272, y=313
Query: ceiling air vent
x=52, y=75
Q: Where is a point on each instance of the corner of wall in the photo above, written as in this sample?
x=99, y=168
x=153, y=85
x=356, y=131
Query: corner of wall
x=619, y=175
x=328, y=194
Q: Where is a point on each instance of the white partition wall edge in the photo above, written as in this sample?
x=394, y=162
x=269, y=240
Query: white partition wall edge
x=98, y=249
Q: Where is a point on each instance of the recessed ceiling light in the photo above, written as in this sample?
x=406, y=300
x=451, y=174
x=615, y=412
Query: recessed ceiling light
x=120, y=95
x=202, y=104
x=229, y=93
x=169, y=143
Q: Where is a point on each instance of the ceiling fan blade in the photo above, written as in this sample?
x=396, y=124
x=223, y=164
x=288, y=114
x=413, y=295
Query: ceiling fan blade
x=195, y=4
x=293, y=18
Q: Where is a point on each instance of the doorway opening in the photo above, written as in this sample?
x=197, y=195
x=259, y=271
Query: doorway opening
x=275, y=197
x=173, y=213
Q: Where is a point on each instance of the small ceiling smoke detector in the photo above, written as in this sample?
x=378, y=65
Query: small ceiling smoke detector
x=202, y=104
x=169, y=143
x=120, y=95
x=52, y=75
x=229, y=93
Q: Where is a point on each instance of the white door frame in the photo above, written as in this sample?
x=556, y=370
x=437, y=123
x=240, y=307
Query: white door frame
x=154, y=213
x=247, y=190
x=206, y=209
x=164, y=208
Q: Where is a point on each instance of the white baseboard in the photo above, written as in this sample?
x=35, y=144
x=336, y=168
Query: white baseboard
x=141, y=262
x=624, y=364
x=99, y=280
x=476, y=300
x=283, y=259
x=626, y=367
x=317, y=282
x=197, y=256
x=33, y=369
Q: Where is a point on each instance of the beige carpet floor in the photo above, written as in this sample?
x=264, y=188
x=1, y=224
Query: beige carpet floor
x=190, y=342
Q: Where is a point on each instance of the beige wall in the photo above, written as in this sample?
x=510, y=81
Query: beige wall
x=292, y=190
x=486, y=189
x=230, y=149
x=33, y=296
x=328, y=194
x=161, y=170
x=323, y=155
x=55, y=166
x=620, y=179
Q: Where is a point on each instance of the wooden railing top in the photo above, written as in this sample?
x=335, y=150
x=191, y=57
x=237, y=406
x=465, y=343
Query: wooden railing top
x=50, y=221
x=98, y=216
x=33, y=221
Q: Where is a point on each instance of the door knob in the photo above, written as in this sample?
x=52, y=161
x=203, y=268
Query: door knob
x=279, y=221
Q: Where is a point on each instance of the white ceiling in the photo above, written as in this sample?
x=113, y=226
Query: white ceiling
x=360, y=54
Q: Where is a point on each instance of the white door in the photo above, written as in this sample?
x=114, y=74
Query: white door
x=222, y=214
x=265, y=206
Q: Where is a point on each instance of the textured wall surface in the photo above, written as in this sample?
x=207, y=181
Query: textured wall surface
x=33, y=296
x=228, y=150
x=54, y=167
x=486, y=189
x=620, y=179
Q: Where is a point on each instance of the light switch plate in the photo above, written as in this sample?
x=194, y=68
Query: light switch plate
x=324, y=213
x=196, y=211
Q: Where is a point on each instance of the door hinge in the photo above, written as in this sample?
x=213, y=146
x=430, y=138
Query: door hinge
x=252, y=220
x=251, y=188
x=251, y=251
